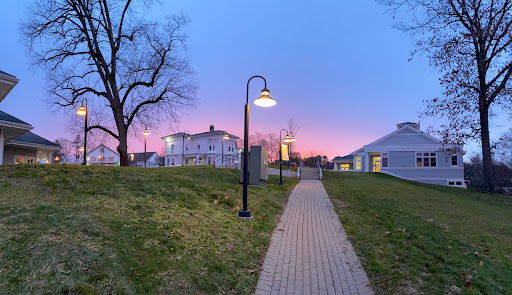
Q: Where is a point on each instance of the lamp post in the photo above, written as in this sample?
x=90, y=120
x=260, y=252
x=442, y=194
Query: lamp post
x=290, y=150
x=263, y=101
x=222, y=159
x=83, y=112
x=132, y=156
x=287, y=139
x=146, y=133
x=183, y=148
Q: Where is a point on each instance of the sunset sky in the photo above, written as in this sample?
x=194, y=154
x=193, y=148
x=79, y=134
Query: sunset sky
x=337, y=67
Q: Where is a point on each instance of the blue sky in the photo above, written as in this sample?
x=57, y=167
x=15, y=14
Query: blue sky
x=337, y=67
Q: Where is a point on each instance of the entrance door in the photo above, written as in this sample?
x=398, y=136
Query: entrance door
x=376, y=164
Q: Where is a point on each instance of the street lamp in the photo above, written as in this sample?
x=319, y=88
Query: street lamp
x=286, y=139
x=183, y=147
x=224, y=137
x=263, y=101
x=146, y=133
x=82, y=111
x=132, y=156
x=290, y=150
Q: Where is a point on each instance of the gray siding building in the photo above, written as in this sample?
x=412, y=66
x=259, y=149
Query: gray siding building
x=410, y=154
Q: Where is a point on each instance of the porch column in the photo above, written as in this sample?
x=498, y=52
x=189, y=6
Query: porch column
x=197, y=160
x=2, y=142
x=335, y=166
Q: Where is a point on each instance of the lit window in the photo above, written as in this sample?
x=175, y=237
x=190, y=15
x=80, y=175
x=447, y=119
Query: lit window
x=358, y=163
x=426, y=160
x=385, y=160
x=344, y=167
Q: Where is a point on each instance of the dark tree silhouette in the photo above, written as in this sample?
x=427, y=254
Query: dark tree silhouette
x=469, y=42
x=105, y=51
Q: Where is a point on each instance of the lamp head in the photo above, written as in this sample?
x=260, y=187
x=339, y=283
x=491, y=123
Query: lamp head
x=293, y=138
x=81, y=149
x=132, y=156
x=146, y=132
x=265, y=100
x=81, y=111
x=287, y=138
x=225, y=136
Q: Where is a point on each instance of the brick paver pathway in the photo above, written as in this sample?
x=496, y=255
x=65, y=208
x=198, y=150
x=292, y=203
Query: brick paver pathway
x=310, y=252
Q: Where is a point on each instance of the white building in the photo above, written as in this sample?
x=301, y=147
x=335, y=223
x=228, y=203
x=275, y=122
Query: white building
x=410, y=154
x=207, y=148
x=17, y=144
x=152, y=159
x=103, y=156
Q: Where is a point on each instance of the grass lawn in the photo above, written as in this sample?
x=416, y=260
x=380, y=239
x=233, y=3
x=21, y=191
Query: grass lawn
x=425, y=239
x=110, y=230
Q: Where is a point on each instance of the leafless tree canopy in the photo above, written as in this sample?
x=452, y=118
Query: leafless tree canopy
x=106, y=51
x=468, y=41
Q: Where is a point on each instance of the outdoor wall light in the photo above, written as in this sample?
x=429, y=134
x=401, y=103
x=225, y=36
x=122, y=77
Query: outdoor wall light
x=225, y=136
x=265, y=100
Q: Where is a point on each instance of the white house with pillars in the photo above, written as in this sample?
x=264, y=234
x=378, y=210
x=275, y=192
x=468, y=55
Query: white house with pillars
x=207, y=148
x=410, y=154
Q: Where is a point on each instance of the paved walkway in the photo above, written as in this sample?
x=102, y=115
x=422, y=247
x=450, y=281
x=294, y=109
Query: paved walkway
x=310, y=252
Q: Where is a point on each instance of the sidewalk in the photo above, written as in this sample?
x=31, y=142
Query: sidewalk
x=310, y=252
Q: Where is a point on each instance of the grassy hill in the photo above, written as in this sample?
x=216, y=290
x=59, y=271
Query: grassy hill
x=106, y=230
x=425, y=239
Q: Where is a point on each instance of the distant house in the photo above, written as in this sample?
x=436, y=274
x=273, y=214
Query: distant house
x=207, y=148
x=17, y=144
x=152, y=159
x=103, y=156
x=410, y=154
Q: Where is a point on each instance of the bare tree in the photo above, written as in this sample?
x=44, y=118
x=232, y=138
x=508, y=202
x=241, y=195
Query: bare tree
x=469, y=42
x=103, y=50
x=67, y=151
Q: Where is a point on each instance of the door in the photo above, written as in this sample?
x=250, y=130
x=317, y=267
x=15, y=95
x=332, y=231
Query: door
x=376, y=164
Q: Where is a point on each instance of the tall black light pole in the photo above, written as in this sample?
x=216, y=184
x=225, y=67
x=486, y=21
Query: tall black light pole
x=287, y=139
x=83, y=111
x=263, y=101
x=183, y=147
x=146, y=133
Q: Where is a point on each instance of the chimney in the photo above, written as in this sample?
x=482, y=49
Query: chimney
x=212, y=128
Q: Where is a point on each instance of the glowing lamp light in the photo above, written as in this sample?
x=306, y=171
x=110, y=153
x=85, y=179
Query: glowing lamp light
x=132, y=156
x=265, y=100
x=287, y=139
x=99, y=157
x=293, y=138
x=56, y=158
x=225, y=136
x=81, y=111
x=81, y=149
x=146, y=132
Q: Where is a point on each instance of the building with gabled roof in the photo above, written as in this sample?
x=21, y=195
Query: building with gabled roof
x=152, y=159
x=102, y=155
x=410, y=154
x=206, y=148
x=17, y=144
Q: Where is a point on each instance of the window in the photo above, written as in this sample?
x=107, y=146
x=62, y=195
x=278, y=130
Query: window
x=111, y=159
x=358, y=163
x=168, y=162
x=385, y=160
x=451, y=182
x=426, y=160
x=186, y=147
x=454, y=160
x=172, y=148
x=344, y=167
x=93, y=159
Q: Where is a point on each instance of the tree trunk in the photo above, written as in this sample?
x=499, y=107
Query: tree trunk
x=122, y=130
x=487, y=168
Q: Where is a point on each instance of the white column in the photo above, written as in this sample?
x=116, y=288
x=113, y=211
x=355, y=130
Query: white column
x=2, y=142
x=197, y=160
x=335, y=166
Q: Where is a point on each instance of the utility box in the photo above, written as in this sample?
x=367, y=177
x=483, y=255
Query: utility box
x=258, y=166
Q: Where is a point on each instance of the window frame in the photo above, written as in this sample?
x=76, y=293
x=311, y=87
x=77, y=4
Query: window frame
x=456, y=160
x=424, y=157
x=358, y=163
x=383, y=156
